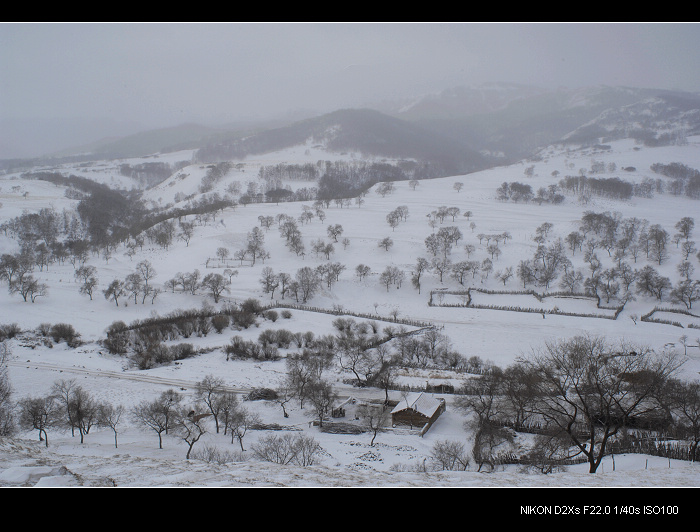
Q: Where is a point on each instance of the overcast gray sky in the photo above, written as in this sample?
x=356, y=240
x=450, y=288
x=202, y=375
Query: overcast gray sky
x=169, y=73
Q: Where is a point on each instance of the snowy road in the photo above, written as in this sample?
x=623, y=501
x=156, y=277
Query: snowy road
x=138, y=377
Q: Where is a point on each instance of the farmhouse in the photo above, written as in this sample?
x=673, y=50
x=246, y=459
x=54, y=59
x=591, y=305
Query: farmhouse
x=418, y=410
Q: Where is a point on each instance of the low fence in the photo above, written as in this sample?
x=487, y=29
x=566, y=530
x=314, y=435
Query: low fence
x=610, y=313
x=343, y=312
x=649, y=319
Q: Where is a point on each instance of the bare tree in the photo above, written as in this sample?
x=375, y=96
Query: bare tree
x=186, y=232
x=269, y=281
x=488, y=409
x=334, y=231
x=322, y=396
x=391, y=275
x=591, y=390
x=158, y=415
x=114, y=291
x=393, y=220
x=505, y=275
x=146, y=271
x=421, y=266
x=450, y=455
x=228, y=272
x=686, y=292
x=228, y=406
x=386, y=243
x=110, y=416
x=308, y=282
x=133, y=284
x=217, y=285
x=685, y=227
x=240, y=423
x=79, y=408
x=255, y=244
x=685, y=403
x=374, y=418
x=190, y=428
x=287, y=449
x=362, y=271
x=549, y=448
x=301, y=372
x=88, y=276
x=29, y=288
x=571, y=280
x=441, y=265
x=210, y=391
x=658, y=238
x=39, y=413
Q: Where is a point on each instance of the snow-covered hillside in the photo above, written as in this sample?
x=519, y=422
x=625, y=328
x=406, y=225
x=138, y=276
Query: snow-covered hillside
x=495, y=336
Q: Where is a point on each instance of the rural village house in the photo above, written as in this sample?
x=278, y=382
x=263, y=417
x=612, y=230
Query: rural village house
x=418, y=409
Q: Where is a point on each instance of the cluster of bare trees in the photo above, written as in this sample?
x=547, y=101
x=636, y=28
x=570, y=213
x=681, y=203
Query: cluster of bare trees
x=547, y=264
x=431, y=348
x=685, y=180
x=16, y=269
x=103, y=220
x=284, y=449
x=305, y=381
x=305, y=283
x=579, y=395
x=69, y=407
x=289, y=230
x=621, y=240
x=254, y=249
x=392, y=275
x=215, y=173
x=514, y=191
x=134, y=285
x=190, y=282
x=443, y=212
x=398, y=215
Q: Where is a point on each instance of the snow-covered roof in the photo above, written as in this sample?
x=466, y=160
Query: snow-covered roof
x=420, y=402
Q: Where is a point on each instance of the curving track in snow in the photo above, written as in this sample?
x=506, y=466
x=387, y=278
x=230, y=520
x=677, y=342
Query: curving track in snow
x=138, y=377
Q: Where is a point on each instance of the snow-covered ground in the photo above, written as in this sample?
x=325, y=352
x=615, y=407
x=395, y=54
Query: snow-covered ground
x=495, y=336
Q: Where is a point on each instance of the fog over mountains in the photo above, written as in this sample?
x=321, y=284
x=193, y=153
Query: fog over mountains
x=459, y=130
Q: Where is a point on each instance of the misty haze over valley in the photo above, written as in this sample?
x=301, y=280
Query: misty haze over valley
x=351, y=254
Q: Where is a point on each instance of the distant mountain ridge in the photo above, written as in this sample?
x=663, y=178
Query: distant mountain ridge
x=460, y=130
x=365, y=131
x=464, y=101
x=518, y=120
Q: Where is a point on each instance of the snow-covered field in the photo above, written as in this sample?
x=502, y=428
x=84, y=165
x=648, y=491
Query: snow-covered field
x=495, y=336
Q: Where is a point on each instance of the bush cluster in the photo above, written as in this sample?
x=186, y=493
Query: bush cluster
x=161, y=355
x=179, y=324
x=65, y=332
x=8, y=331
x=241, y=348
